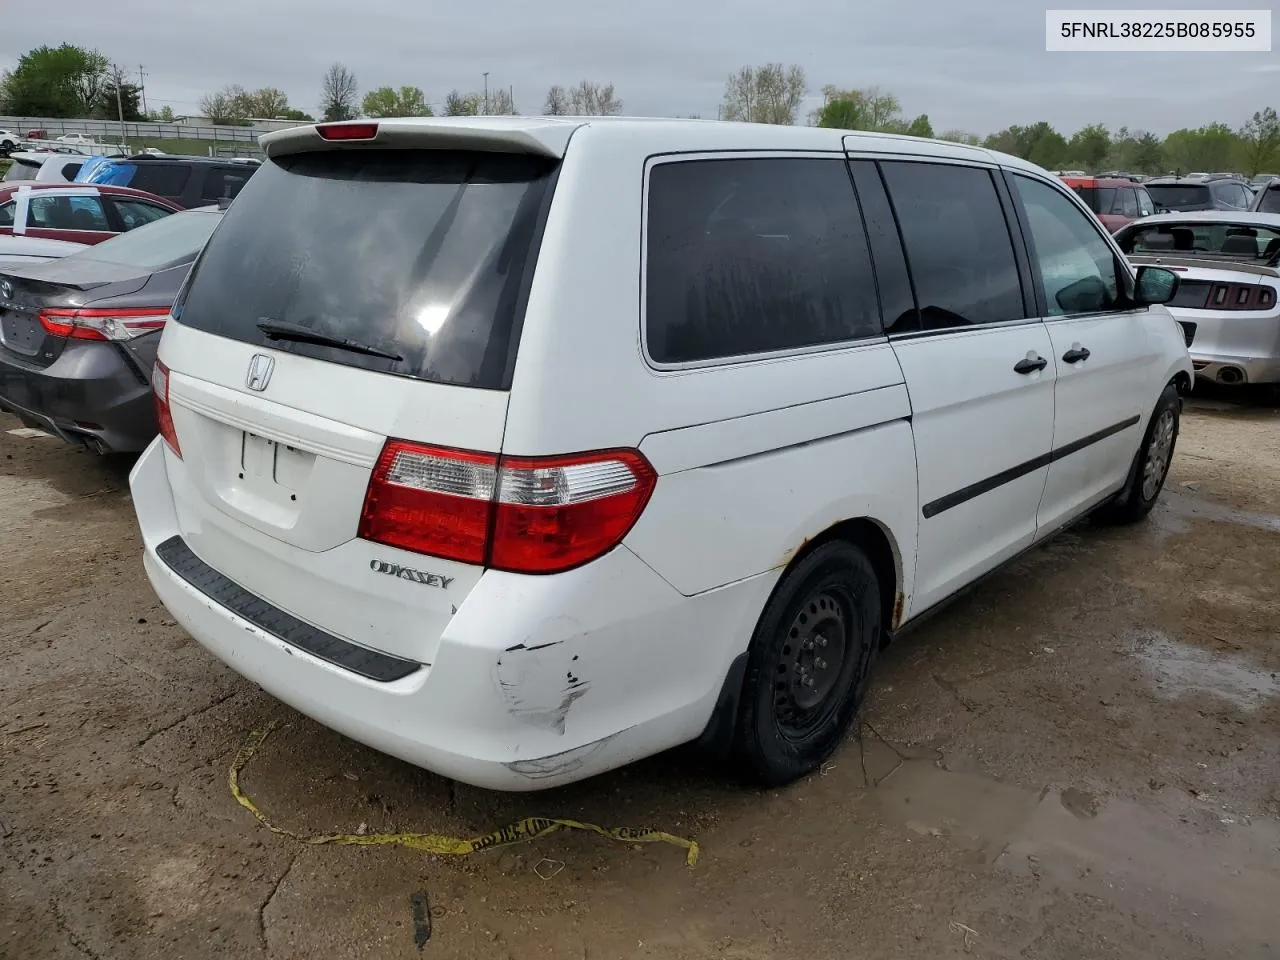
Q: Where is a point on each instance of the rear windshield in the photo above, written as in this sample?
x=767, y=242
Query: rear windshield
x=166, y=242
x=1231, y=241
x=1098, y=199
x=1177, y=196
x=22, y=170
x=420, y=254
x=1270, y=202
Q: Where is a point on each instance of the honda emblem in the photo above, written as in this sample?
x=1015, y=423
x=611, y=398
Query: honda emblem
x=259, y=374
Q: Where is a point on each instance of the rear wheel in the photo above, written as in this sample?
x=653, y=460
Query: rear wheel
x=1151, y=466
x=809, y=663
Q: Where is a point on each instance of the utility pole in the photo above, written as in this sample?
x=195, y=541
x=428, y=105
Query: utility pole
x=120, y=104
x=486, y=93
x=142, y=88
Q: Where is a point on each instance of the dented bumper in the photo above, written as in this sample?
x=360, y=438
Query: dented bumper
x=537, y=681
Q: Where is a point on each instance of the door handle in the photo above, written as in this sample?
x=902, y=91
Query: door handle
x=1076, y=354
x=1030, y=363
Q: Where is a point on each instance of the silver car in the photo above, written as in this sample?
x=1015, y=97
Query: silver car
x=1229, y=299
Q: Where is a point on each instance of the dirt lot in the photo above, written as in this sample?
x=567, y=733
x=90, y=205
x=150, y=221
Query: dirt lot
x=1080, y=760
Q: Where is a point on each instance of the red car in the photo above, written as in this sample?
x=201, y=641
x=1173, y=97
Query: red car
x=77, y=212
x=1113, y=201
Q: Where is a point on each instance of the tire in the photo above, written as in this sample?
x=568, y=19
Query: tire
x=797, y=704
x=1151, y=465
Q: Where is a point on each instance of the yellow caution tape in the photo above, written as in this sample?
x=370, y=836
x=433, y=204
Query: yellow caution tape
x=530, y=828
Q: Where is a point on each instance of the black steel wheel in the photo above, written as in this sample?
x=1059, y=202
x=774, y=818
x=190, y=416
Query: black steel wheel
x=809, y=663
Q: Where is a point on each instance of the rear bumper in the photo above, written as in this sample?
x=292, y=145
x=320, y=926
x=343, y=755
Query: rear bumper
x=1233, y=370
x=537, y=681
x=91, y=394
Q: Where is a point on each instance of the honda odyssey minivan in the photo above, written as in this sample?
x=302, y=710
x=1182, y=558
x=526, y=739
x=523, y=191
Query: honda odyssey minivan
x=522, y=448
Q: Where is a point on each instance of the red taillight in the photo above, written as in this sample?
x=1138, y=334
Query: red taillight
x=347, y=131
x=102, y=324
x=1241, y=296
x=164, y=416
x=522, y=514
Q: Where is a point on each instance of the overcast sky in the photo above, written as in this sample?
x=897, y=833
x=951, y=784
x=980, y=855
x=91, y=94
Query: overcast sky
x=978, y=65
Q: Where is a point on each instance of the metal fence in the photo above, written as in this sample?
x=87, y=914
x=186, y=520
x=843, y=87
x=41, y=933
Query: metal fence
x=111, y=130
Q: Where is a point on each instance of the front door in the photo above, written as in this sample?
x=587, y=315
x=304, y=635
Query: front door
x=979, y=370
x=1102, y=351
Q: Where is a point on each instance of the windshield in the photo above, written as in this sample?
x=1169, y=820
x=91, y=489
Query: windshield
x=1229, y=241
x=1179, y=196
x=166, y=242
x=420, y=254
x=21, y=170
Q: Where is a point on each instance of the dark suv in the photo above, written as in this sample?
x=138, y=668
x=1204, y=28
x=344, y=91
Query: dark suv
x=1200, y=193
x=187, y=181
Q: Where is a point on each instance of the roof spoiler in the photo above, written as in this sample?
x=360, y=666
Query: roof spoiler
x=540, y=136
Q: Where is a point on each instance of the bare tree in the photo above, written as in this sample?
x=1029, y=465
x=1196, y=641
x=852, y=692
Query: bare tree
x=338, y=93
x=768, y=94
x=268, y=102
x=500, y=103
x=557, y=104
x=219, y=107
x=590, y=99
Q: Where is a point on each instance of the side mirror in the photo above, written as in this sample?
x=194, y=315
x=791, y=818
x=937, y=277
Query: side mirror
x=1155, y=285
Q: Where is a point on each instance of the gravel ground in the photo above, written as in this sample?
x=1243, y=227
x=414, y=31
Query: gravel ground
x=1080, y=759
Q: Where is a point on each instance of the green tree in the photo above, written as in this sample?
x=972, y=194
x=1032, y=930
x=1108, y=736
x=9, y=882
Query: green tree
x=163, y=115
x=1260, y=137
x=1208, y=149
x=108, y=108
x=1039, y=143
x=387, y=102
x=866, y=109
x=961, y=136
x=293, y=113
x=266, y=103
x=1090, y=146
x=1148, y=154
x=768, y=94
x=920, y=126
x=65, y=81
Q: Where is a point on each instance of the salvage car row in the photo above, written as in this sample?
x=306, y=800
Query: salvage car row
x=472, y=457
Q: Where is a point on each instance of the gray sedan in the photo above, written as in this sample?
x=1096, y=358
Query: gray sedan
x=78, y=336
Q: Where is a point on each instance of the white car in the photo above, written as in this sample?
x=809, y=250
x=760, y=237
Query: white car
x=76, y=138
x=17, y=251
x=586, y=438
x=1228, y=301
x=44, y=167
x=8, y=141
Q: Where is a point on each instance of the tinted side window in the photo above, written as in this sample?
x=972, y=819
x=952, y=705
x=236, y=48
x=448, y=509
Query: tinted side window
x=67, y=213
x=6, y=214
x=1128, y=202
x=1077, y=266
x=897, y=301
x=957, y=243
x=1270, y=202
x=223, y=183
x=69, y=170
x=754, y=255
x=162, y=179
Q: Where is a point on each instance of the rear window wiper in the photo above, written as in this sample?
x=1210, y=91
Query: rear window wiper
x=279, y=330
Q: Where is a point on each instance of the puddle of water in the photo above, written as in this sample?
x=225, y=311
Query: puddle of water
x=1175, y=509
x=1218, y=878
x=1181, y=668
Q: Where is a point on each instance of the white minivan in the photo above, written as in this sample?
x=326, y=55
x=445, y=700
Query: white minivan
x=523, y=448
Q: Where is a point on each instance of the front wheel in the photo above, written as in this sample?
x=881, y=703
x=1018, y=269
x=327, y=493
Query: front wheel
x=1151, y=466
x=809, y=662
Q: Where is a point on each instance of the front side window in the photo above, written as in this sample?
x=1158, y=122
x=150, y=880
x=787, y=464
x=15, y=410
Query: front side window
x=1270, y=202
x=6, y=214
x=1128, y=202
x=754, y=255
x=1145, y=206
x=957, y=243
x=136, y=213
x=1077, y=266
x=223, y=183
x=66, y=213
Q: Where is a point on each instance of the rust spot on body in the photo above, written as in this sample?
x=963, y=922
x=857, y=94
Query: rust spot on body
x=899, y=602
